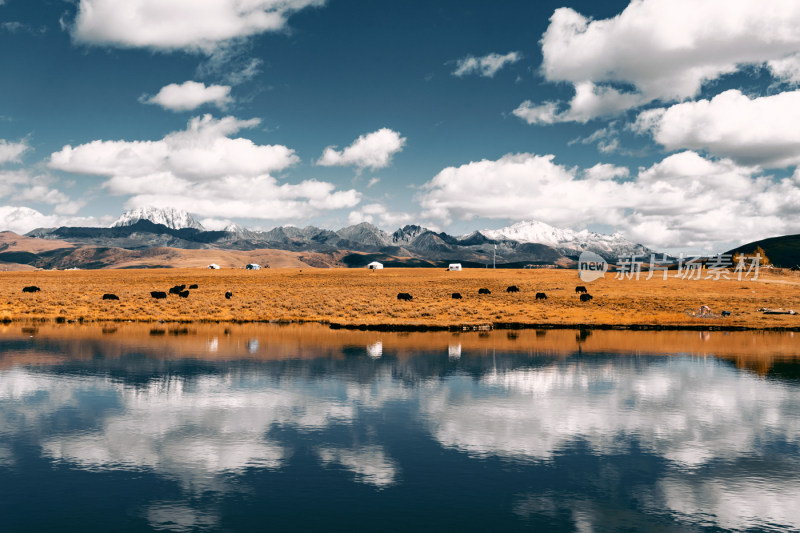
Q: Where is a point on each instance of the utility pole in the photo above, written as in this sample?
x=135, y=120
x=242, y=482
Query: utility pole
x=494, y=257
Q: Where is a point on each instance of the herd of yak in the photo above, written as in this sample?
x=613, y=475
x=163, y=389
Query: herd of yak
x=580, y=289
x=183, y=292
x=179, y=290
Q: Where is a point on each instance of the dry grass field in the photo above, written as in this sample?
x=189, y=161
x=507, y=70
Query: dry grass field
x=359, y=296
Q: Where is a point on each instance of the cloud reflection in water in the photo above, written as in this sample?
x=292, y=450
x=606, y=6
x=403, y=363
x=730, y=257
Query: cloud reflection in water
x=685, y=412
x=699, y=420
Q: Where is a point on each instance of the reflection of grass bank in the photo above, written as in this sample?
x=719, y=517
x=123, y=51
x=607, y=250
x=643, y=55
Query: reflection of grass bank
x=52, y=344
x=355, y=297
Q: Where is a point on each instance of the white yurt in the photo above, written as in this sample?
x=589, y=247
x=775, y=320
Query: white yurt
x=213, y=266
x=375, y=266
x=456, y=267
x=253, y=266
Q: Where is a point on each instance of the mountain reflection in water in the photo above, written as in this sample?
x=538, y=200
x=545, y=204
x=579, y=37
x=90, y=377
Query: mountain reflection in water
x=302, y=427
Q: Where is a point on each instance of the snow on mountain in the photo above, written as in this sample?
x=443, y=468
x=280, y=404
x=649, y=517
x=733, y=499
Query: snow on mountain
x=234, y=228
x=168, y=216
x=239, y=232
x=567, y=240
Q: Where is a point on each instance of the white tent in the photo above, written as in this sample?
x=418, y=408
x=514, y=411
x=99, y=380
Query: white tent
x=375, y=266
x=213, y=266
x=253, y=266
x=455, y=267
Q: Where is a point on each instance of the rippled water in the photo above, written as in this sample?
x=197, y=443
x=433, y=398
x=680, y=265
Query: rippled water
x=303, y=428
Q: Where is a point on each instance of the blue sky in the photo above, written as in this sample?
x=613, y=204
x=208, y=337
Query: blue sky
x=673, y=122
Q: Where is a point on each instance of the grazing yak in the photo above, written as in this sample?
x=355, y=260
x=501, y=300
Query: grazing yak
x=541, y=296
x=31, y=288
x=586, y=297
x=158, y=295
x=484, y=291
x=580, y=288
x=456, y=296
x=726, y=313
x=512, y=288
x=193, y=286
x=177, y=289
x=183, y=294
x=228, y=295
x=403, y=296
x=109, y=296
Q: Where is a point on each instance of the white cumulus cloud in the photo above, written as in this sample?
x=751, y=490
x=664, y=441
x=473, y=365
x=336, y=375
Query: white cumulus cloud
x=373, y=150
x=486, y=66
x=786, y=68
x=381, y=215
x=25, y=187
x=590, y=101
x=606, y=171
x=684, y=201
x=10, y=152
x=20, y=219
x=205, y=171
x=660, y=49
x=760, y=131
x=180, y=24
x=203, y=151
x=189, y=95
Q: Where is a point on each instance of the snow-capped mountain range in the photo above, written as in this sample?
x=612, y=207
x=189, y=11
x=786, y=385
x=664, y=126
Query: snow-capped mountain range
x=166, y=216
x=534, y=231
x=411, y=237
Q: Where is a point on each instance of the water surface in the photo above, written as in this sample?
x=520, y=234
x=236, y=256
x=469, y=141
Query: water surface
x=241, y=428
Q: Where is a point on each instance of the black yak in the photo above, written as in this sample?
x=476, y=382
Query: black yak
x=484, y=291
x=541, y=296
x=512, y=288
x=228, y=295
x=109, y=296
x=456, y=296
x=193, y=286
x=31, y=288
x=580, y=288
x=403, y=296
x=158, y=294
x=177, y=289
x=586, y=297
x=183, y=294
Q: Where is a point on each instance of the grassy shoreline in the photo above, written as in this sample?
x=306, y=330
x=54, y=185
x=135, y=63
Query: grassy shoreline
x=360, y=299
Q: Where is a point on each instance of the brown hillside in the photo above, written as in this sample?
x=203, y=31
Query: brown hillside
x=11, y=242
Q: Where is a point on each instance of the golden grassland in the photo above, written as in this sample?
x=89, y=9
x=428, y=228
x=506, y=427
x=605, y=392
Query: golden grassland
x=359, y=296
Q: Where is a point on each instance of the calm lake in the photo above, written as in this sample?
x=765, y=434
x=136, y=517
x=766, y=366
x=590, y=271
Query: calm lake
x=303, y=428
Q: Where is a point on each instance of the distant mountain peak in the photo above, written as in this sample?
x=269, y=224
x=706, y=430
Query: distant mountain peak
x=234, y=228
x=566, y=240
x=534, y=231
x=167, y=216
x=365, y=233
x=364, y=225
x=407, y=234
